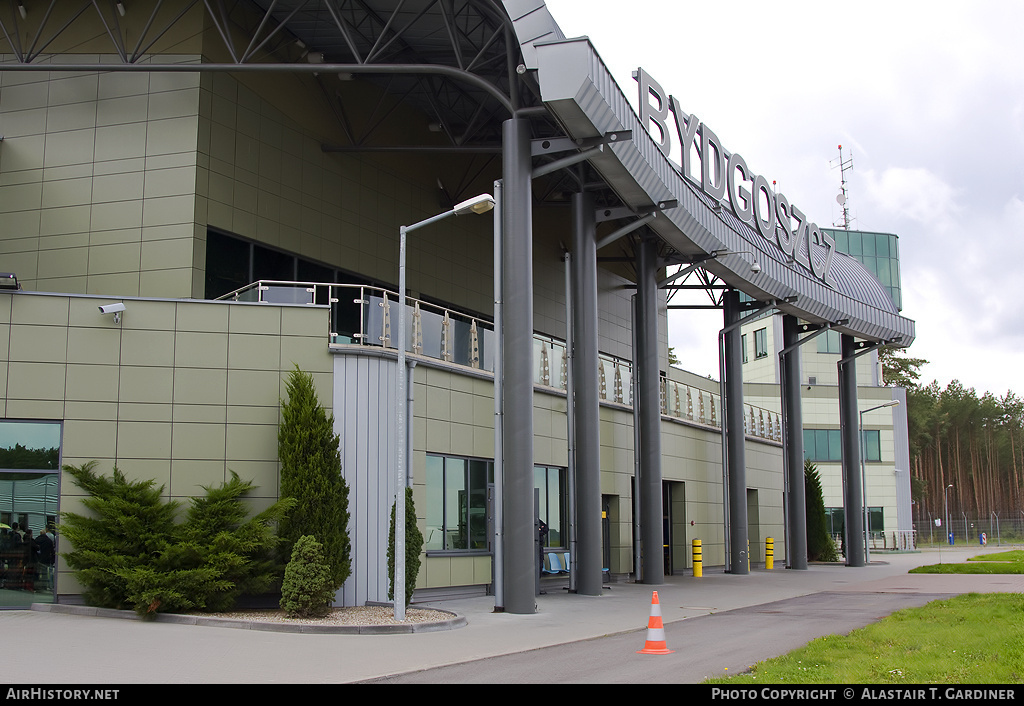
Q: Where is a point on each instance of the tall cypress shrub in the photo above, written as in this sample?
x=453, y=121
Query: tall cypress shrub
x=310, y=459
x=820, y=546
x=413, y=547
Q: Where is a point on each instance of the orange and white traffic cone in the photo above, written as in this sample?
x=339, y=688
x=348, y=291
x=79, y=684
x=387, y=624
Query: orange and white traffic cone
x=655, y=632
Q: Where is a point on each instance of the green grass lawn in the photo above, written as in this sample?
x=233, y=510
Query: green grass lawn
x=970, y=639
x=1012, y=555
x=1010, y=562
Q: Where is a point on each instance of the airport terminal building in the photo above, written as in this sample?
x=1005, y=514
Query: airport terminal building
x=196, y=198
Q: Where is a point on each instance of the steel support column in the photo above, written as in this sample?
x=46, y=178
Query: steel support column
x=584, y=397
x=793, y=442
x=648, y=388
x=735, y=437
x=520, y=558
x=853, y=505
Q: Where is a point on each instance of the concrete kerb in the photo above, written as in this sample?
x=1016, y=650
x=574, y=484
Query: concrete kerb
x=456, y=621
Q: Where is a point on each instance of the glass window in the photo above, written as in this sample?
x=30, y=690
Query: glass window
x=456, y=512
x=882, y=245
x=842, y=239
x=272, y=264
x=823, y=445
x=743, y=346
x=827, y=445
x=828, y=342
x=855, y=248
x=869, y=263
x=29, y=495
x=314, y=272
x=835, y=519
x=876, y=519
x=761, y=343
x=227, y=264
x=550, y=481
x=29, y=445
x=872, y=445
x=882, y=272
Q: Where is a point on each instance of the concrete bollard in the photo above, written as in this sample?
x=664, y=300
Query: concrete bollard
x=769, y=553
x=698, y=559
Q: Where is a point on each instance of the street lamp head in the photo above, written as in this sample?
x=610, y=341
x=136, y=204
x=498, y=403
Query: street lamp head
x=478, y=204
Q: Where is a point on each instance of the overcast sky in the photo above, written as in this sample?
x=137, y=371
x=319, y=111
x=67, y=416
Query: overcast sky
x=927, y=99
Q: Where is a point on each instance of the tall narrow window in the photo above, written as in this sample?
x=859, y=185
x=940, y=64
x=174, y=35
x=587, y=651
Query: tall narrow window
x=761, y=343
x=29, y=496
x=550, y=481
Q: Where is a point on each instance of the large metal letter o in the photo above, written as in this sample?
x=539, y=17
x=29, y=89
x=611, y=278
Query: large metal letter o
x=765, y=224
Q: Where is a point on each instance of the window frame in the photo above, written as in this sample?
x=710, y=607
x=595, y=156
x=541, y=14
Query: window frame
x=465, y=518
x=554, y=492
x=761, y=343
x=832, y=440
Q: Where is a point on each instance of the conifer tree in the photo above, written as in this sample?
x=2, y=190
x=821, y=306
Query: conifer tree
x=131, y=554
x=413, y=547
x=820, y=546
x=308, y=589
x=311, y=474
x=130, y=524
x=239, y=555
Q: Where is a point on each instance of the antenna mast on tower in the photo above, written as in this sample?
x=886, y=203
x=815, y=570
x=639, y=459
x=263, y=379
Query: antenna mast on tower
x=841, y=199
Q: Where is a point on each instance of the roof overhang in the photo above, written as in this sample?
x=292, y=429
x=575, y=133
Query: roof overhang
x=578, y=89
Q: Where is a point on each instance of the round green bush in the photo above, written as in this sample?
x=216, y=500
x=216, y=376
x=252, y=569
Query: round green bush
x=307, y=590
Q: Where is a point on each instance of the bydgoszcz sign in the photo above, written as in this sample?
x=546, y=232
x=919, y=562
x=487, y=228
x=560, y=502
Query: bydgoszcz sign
x=726, y=175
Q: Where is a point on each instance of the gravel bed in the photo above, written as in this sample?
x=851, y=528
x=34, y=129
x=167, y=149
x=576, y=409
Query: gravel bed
x=357, y=615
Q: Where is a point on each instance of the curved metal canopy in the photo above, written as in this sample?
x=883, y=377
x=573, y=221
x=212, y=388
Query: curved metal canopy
x=579, y=90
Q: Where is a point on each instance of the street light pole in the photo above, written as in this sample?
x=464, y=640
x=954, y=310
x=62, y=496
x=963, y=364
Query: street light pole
x=945, y=498
x=864, y=477
x=477, y=204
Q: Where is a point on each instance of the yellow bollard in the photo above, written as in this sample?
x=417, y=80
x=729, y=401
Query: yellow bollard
x=698, y=559
x=769, y=553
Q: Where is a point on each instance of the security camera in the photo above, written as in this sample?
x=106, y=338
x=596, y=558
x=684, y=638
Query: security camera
x=755, y=268
x=114, y=309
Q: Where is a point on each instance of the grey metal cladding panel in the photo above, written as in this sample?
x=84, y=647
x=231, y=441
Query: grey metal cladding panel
x=364, y=412
x=642, y=176
x=533, y=23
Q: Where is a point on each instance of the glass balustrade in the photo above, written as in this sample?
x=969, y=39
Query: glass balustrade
x=368, y=316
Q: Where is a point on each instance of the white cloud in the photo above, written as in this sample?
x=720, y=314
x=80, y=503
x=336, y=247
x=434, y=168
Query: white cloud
x=915, y=194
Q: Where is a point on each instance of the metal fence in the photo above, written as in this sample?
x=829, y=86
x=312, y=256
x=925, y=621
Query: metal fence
x=999, y=529
x=361, y=315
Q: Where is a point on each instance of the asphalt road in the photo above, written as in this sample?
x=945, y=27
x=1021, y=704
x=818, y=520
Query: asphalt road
x=711, y=645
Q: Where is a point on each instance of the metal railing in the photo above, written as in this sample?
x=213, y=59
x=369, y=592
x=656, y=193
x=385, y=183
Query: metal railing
x=1000, y=528
x=891, y=540
x=361, y=315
